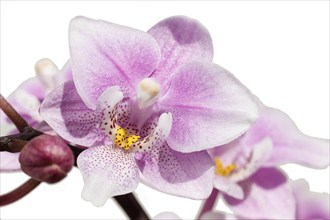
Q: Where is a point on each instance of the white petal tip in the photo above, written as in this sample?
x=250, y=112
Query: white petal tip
x=165, y=123
x=112, y=96
x=46, y=70
x=94, y=196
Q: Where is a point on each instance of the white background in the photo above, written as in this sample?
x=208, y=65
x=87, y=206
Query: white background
x=280, y=50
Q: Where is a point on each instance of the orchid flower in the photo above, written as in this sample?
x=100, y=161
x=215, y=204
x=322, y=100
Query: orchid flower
x=310, y=205
x=303, y=204
x=148, y=103
x=273, y=140
x=26, y=100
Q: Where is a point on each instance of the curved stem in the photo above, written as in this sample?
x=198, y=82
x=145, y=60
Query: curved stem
x=208, y=203
x=131, y=206
x=18, y=121
x=19, y=192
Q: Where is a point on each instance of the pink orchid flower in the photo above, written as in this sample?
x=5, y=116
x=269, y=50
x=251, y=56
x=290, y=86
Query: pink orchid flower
x=273, y=140
x=26, y=100
x=303, y=204
x=147, y=103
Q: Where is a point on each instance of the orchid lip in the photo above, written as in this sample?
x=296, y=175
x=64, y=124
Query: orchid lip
x=260, y=153
x=124, y=140
x=123, y=132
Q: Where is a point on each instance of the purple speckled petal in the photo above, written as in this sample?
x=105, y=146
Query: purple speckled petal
x=310, y=205
x=65, y=112
x=181, y=39
x=267, y=195
x=157, y=136
x=210, y=107
x=105, y=54
x=289, y=144
x=9, y=162
x=188, y=175
x=107, y=171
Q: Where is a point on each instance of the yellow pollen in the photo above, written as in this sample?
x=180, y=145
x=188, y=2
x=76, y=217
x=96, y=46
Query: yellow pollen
x=223, y=171
x=123, y=140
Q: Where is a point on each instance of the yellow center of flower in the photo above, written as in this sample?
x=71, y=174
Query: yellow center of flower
x=221, y=170
x=123, y=140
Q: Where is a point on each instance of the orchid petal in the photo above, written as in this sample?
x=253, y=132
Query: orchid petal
x=310, y=205
x=289, y=144
x=6, y=126
x=210, y=107
x=188, y=175
x=26, y=104
x=108, y=104
x=9, y=162
x=247, y=159
x=267, y=195
x=218, y=216
x=105, y=54
x=71, y=119
x=26, y=100
x=181, y=39
x=34, y=87
x=107, y=171
x=65, y=74
x=228, y=186
x=166, y=216
x=260, y=153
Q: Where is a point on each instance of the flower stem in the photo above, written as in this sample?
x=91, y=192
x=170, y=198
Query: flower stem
x=18, y=121
x=131, y=206
x=208, y=203
x=15, y=143
x=19, y=192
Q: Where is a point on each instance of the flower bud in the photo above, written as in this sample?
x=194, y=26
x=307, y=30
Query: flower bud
x=46, y=158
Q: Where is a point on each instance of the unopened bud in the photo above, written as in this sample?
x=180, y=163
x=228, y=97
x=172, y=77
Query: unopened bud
x=46, y=158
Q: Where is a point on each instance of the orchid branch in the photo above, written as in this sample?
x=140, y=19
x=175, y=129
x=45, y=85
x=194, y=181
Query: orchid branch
x=18, y=121
x=131, y=206
x=15, y=143
x=19, y=192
